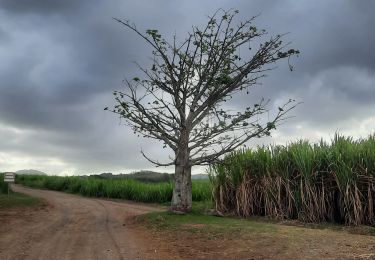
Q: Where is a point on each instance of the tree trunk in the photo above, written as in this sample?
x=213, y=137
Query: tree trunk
x=182, y=196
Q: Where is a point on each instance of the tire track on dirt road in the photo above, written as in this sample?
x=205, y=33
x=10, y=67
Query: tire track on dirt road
x=75, y=227
x=108, y=231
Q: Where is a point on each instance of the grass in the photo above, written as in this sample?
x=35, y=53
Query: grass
x=17, y=200
x=209, y=226
x=14, y=200
x=202, y=236
x=312, y=183
x=206, y=225
x=3, y=185
x=114, y=188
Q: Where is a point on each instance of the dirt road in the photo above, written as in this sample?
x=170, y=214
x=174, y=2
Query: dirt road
x=74, y=227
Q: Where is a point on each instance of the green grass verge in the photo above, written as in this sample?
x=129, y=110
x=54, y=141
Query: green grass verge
x=3, y=185
x=200, y=222
x=227, y=227
x=204, y=225
x=17, y=200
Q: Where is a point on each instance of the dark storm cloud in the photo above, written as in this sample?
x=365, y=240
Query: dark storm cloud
x=342, y=37
x=65, y=60
x=61, y=60
x=41, y=7
x=333, y=75
x=329, y=33
x=57, y=66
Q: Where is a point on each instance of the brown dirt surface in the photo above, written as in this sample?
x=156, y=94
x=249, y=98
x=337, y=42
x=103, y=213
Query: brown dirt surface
x=74, y=227
x=274, y=241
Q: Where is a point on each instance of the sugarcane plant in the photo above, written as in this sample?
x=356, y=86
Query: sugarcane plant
x=321, y=182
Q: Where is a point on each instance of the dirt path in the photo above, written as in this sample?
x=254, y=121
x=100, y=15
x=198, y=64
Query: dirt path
x=74, y=227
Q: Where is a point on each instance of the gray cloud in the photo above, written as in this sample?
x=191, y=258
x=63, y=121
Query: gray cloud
x=41, y=7
x=61, y=60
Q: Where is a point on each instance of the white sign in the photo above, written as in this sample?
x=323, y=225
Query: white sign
x=9, y=176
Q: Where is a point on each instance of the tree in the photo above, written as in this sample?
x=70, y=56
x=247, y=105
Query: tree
x=180, y=100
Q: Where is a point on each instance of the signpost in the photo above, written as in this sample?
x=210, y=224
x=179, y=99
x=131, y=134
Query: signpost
x=9, y=178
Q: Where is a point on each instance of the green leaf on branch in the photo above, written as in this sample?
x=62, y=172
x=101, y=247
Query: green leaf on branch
x=270, y=126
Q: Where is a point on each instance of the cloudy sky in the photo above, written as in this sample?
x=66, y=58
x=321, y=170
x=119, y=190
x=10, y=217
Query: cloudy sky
x=60, y=61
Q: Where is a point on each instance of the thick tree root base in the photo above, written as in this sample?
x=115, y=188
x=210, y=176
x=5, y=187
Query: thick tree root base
x=179, y=210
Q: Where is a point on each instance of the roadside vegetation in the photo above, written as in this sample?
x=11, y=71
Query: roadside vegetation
x=311, y=183
x=308, y=182
x=3, y=185
x=199, y=221
x=210, y=237
x=14, y=200
x=114, y=188
x=17, y=200
x=142, y=176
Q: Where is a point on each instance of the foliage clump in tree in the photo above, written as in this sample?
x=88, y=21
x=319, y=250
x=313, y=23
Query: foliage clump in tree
x=180, y=100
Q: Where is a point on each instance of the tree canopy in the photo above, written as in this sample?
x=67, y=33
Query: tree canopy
x=181, y=98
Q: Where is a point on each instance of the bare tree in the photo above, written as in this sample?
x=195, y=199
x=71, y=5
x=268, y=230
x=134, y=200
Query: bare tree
x=180, y=99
